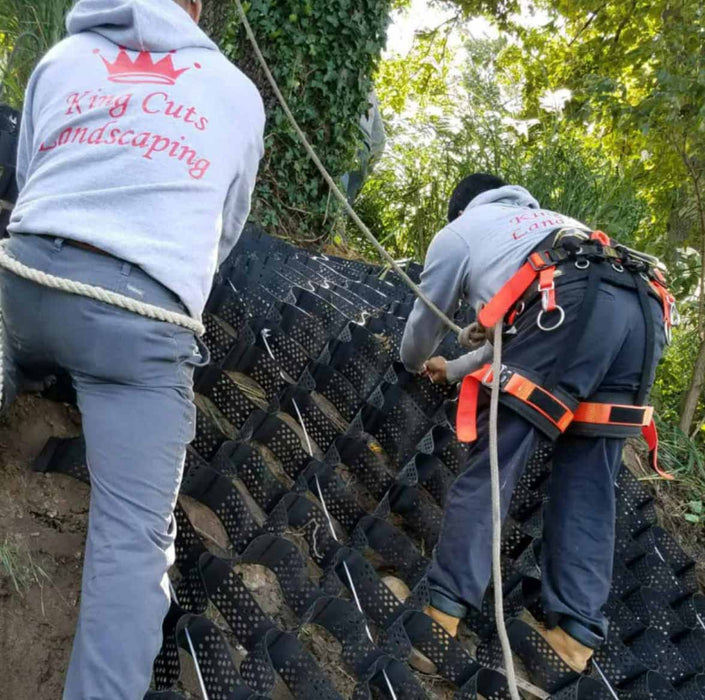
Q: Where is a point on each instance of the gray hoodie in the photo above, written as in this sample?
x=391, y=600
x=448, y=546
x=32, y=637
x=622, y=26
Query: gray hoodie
x=139, y=137
x=471, y=259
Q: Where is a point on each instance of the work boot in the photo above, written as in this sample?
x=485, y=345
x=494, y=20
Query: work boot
x=417, y=660
x=449, y=623
x=573, y=653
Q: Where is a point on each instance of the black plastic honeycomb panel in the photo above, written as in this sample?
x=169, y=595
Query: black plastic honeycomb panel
x=167, y=666
x=209, y=437
x=249, y=466
x=363, y=457
x=283, y=558
x=305, y=329
x=64, y=456
x=217, y=492
x=269, y=430
x=297, y=668
x=217, y=339
x=334, y=492
x=546, y=669
x=315, y=305
x=189, y=546
x=422, y=517
x=335, y=388
x=397, y=550
x=299, y=404
x=225, y=394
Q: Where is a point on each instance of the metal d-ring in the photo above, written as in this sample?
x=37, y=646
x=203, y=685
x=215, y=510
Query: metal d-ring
x=582, y=263
x=617, y=267
x=548, y=329
x=520, y=307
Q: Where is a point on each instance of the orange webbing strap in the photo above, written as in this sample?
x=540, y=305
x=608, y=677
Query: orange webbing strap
x=614, y=414
x=601, y=237
x=534, y=396
x=500, y=304
x=650, y=434
x=466, y=418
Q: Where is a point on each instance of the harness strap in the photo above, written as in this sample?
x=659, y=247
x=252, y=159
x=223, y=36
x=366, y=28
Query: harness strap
x=547, y=412
x=500, y=304
x=535, y=397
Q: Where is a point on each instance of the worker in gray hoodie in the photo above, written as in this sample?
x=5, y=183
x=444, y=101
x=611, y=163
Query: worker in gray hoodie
x=138, y=154
x=576, y=370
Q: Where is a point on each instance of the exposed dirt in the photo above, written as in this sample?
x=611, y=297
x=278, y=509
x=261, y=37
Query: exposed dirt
x=43, y=524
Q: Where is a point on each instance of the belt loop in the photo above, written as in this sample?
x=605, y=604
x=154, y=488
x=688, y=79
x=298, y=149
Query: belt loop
x=126, y=269
x=59, y=243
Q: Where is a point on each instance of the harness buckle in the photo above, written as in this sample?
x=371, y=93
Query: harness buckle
x=505, y=374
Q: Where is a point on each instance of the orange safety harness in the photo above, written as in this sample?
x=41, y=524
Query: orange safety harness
x=548, y=407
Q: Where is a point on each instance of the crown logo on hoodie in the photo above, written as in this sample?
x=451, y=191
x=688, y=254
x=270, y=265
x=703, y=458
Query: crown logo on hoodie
x=143, y=70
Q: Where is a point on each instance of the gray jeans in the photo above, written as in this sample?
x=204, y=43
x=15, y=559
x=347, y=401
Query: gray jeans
x=134, y=382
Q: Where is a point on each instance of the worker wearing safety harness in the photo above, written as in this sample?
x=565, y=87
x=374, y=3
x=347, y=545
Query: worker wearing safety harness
x=586, y=322
x=138, y=155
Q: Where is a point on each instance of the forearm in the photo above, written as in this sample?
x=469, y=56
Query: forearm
x=457, y=369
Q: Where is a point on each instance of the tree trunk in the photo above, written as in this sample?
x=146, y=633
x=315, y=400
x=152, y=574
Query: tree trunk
x=697, y=380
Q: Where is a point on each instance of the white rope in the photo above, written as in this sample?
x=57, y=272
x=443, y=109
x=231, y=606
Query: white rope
x=497, y=517
x=98, y=293
x=331, y=182
x=156, y=313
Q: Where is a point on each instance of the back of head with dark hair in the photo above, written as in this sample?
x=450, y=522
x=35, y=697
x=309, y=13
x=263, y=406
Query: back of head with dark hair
x=468, y=189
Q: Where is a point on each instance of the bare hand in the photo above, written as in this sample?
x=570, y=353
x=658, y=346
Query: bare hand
x=475, y=336
x=435, y=370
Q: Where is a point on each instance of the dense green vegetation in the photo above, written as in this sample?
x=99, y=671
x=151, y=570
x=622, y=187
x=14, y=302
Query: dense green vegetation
x=597, y=108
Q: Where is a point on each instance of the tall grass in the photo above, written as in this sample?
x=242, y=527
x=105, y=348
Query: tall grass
x=28, y=29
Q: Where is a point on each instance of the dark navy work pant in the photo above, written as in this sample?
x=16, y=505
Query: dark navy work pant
x=579, y=516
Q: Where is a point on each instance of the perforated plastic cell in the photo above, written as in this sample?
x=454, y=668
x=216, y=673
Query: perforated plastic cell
x=385, y=673
x=234, y=602
x=654, y=573
x=617, y=663
x=283, y=442
x=691, y=646
x=545, y=668
x=659, y=654
x=227, y=397
x=524, y=503
x=487, y=684
x=654, y=612
x=397, y=550
x=297, y=668
x=338, y=499
x=299, y=404
x=691, y=609
x=64, y=456
x=189, y=545
x=287, y=352
x=284, y=559
x=208, y=438
x=213, y=657
x=629, y=489
x=262, y=484
x=336, y=388
x=421, y=515
x=167, y=666
x=453, y=661
x=217, y=492
x=332, y=319
x=584, y=689
x=624, y=621
x=304, y=328
x=347, y=624
x=326, y=271
x=693, y=688
x=191, y=593
x=217, y=339
x=308, y=519
x=665, y=546
x=649, y=686
x=378, y=602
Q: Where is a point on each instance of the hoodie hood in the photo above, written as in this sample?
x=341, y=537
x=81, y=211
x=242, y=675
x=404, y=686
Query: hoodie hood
x=509, y=194
x=156, y=26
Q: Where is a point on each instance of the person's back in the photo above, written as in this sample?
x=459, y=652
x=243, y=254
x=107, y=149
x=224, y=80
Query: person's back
x=482, y=246
x=140, y=130
x=138, y=155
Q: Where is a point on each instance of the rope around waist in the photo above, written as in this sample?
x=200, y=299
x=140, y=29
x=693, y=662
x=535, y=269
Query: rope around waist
x=121, y=301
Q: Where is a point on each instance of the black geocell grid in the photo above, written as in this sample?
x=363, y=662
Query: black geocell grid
x=376, y=455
